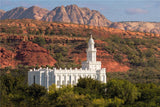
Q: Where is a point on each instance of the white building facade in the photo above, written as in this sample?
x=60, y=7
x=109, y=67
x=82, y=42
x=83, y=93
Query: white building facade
x=90, y=68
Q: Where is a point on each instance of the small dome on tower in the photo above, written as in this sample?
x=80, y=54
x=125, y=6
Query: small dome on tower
x=91, y=40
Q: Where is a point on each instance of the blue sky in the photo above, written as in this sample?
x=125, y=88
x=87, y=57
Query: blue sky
x=114, y=10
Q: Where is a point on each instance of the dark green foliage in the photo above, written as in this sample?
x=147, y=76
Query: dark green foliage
x=47, y=31
x=143, y=58
x=40, y=41
x=71, y=99
x=66, y=97
x=123, y=90
x=12, y=87
x=35, y=94
x=118, y=57
x=90, y=86
x=12, y=30
x=61, y=56
x=138, y=75
x=36, y=91
x=149, y=92
x=60, y=49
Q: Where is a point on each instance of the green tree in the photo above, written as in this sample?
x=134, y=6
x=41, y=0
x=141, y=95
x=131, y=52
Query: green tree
x=122, y=89
x=114, y=102
x=35, y=94
x=99, y=102
x=52, y=89
x=90, y=86
x=70, y=99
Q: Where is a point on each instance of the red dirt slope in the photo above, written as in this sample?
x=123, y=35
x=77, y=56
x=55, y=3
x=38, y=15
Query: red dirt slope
x=32, y=54
x=26, y=53
x=6, y=58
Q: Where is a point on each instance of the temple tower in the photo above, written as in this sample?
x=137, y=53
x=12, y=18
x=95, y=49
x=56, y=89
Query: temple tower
x=91, y=62
x=91, y=51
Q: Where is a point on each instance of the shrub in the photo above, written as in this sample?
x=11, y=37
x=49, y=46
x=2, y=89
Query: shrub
x=40, y=41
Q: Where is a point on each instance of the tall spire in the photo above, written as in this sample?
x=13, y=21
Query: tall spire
x=91, y=41
x=91, y=51
x=91, y=62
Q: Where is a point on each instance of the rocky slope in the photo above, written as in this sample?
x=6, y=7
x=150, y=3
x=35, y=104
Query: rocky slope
x=75, y=14
x=25, y=53
x=70, y=14
x=2, y=13
x=33, y=12
x=13, y=14
x=6, y=58
x=138, y=26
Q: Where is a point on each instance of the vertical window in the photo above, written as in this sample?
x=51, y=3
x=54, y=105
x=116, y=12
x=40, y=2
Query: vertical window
x=70, y=79
x=34, y=78
x=58, y=83
x=54, y=79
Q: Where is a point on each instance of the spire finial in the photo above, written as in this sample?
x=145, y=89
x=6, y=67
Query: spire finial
x=91, y=35
x=91, y=39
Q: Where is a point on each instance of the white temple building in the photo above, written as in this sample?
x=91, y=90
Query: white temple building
x=90, y=68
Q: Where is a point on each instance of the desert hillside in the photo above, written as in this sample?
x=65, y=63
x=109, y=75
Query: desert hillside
x=29, y=42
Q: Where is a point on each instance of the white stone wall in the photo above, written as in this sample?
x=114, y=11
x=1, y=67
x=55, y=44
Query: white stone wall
x=71, y=76
x=47, y=77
